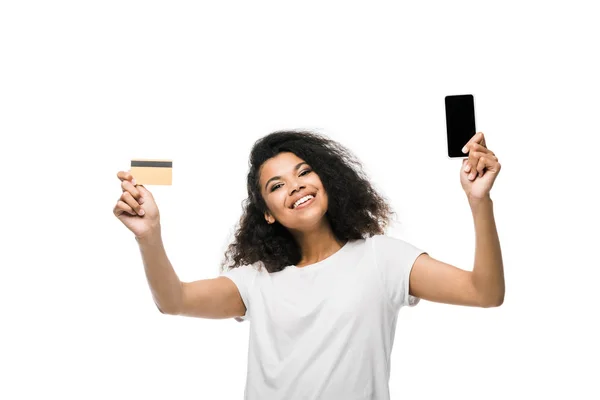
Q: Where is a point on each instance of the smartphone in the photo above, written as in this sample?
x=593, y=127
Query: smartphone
x=460, y=123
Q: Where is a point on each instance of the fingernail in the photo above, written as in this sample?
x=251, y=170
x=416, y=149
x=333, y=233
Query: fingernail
x=464, y=149
x=467, y=167
x=133, y=181
x=141, y=200
x=142, y=212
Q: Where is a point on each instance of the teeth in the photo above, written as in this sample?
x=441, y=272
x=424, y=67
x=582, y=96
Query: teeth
x=302, y=200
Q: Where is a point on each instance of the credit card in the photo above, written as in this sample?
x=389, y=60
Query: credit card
x=152, y=172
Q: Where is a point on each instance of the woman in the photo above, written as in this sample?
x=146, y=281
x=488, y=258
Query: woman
x=314, y=272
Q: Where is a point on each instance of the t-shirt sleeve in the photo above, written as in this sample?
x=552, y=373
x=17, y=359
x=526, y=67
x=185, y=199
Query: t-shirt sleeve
x=395, y=259
x=243, y=277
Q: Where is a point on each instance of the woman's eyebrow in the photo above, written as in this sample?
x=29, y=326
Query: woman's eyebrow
x=279, y=177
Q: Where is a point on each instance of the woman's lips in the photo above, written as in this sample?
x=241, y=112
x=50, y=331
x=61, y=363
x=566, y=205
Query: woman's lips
x=305, y=204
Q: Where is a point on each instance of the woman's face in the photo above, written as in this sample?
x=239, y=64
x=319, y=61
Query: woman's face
x=286, y=178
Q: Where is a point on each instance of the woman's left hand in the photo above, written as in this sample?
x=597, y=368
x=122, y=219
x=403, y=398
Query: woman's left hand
x=479, y=171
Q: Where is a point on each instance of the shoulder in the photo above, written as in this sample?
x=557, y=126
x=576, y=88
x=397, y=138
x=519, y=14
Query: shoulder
x=383, y=241
x=248, y=271
x=389, y=248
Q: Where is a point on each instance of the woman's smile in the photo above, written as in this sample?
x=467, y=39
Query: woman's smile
x=305, y=204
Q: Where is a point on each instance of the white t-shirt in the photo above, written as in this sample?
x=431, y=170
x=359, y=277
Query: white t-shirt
x=325, y=331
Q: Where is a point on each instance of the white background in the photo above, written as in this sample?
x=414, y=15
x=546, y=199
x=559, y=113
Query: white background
x=87, y=86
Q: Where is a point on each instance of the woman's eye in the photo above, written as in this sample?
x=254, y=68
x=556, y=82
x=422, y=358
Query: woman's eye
x=306, y=171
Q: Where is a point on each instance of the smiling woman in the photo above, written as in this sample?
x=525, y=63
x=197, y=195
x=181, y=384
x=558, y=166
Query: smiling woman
x=313, y=271
x=286, y=166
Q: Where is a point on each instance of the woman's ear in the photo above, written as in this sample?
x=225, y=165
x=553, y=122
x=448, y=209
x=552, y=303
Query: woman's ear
x=269, y=218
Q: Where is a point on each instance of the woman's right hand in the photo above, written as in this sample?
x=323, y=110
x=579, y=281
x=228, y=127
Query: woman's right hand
x=142, y=221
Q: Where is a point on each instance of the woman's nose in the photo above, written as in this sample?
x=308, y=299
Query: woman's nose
x=296, y=187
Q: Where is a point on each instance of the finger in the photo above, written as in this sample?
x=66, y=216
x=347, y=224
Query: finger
x=484, y=162
x=472, y=161
x=481, y=140
x=143, y=190
x=128, y=198
x=466, y=166
x=128, y=187
x=126, y=175
x=475, y=151
x=480, y=148
x=477, y=138
x=123, y=207
x=481, y=165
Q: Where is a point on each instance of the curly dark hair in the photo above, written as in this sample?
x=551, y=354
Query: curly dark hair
x=355, y=209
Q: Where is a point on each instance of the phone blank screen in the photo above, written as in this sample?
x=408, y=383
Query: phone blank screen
x=460, y=123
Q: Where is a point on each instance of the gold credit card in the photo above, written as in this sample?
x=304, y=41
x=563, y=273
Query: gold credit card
x=152, y=172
